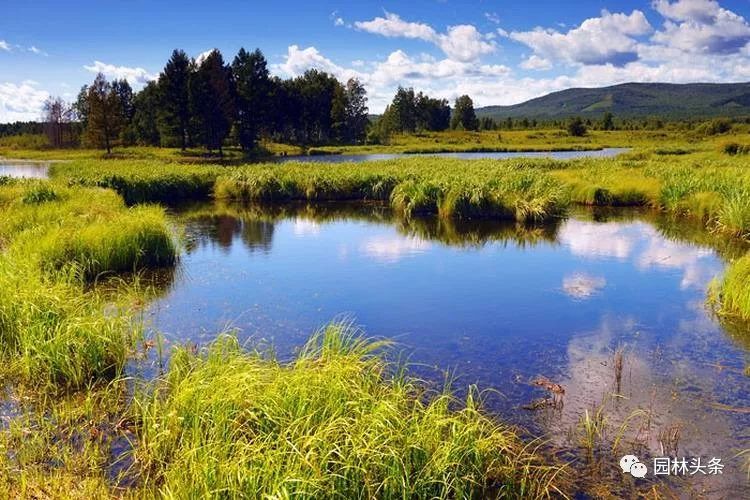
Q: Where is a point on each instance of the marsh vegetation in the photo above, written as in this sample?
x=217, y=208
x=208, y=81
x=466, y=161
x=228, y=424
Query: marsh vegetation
x=87, y=414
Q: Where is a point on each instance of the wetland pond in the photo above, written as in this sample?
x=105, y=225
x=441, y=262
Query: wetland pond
x=23, y=169
x=496, y=304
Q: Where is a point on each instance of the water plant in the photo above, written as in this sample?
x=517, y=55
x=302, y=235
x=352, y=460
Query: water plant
x=336, y=422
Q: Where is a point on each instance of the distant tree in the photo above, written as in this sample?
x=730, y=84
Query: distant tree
x=253, y=86
x=212, y=101
x=576, y=127
x=403, y=111
x=145, y=117
x=127, y=110
x=57, y=117
x=608, y=122
x=487, y=123
x=432, y=114
x=81, y=106
x=174, y=116
x=356, y=111
x=509, y=123
x=104, y=114
x=463, y=114
x=338, y=114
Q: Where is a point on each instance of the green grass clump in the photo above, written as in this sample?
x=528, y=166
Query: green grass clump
x=731, y=293
x=53, y=330
x=333, y=423
x=138, y=240
x=53, y=334
x=139, y=181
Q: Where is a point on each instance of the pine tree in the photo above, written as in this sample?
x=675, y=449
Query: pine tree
x=212, y=100
x=356, y=111
x=463, y=114
x=253, y=86
x=174, y=116
x=104, y=114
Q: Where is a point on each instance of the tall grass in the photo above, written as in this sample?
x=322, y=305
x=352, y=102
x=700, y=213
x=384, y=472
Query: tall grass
x=337, y=422
x=731, y=293
x=54, y=239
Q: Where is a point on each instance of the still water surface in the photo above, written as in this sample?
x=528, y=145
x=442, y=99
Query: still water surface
x=495, y=303
x=558, y=155
x=29, y=170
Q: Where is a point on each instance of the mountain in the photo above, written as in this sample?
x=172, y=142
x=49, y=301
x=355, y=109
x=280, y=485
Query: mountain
x=634, y=100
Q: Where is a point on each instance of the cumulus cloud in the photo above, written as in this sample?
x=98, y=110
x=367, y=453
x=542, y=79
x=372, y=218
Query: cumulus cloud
x=462, y=43
x=4, y=46
x=21, y=102
x=701, y=26
x=298, y=60
x=535, y=62
x=696, y=40
x=134, y=76
x=608, y=39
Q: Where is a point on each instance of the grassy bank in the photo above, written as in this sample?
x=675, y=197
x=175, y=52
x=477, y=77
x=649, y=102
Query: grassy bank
x=54, y=241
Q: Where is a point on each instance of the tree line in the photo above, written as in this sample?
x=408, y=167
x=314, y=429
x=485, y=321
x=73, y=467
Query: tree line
x=210, y=103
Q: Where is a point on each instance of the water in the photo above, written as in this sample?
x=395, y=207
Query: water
x=498, y=305
x=559, y=155
x=28, y=170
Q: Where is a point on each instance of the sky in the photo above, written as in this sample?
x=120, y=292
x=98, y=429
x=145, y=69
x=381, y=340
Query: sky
x=498, y=52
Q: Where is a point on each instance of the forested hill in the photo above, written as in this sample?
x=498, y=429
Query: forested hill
x=634, y=100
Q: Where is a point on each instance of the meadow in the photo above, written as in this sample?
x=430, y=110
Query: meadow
x=338, y=419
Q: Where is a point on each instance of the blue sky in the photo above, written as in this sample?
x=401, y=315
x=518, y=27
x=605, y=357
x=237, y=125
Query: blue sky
x=499, y=52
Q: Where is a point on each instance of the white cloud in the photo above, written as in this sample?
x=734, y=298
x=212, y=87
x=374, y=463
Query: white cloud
x=338, y=21
x=462, y=43
x=582, y=286
x=134, y=76
x=300, y=60
x=536, y=63
x=21, y=102
x=390, y=250
x=608, y=39
x=4, y=46
x=37, y=51
x=492, y=17
x=393, y=26
x=701, y=26
x=202, y=56
x=695, y=42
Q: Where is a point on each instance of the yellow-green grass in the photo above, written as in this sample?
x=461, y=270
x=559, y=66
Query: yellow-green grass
x=337, y=422
x=53, y=240
x=731, y=292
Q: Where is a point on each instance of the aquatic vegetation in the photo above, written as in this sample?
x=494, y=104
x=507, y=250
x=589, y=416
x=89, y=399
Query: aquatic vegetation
x=338, y=421
x=53, y=332
x=731, y=293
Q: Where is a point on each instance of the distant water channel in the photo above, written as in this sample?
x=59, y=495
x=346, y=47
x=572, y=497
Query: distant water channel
x=558, y=155
x=495, y=304
x=20, y=169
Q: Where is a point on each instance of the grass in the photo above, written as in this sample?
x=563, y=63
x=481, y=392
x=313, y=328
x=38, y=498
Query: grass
x=731, y=293
x=53, y=329
x=336, y=422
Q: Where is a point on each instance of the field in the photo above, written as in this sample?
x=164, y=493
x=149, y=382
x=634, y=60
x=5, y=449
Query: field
x=195, y=431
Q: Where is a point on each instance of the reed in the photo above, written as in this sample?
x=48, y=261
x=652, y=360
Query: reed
x=336, y=422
